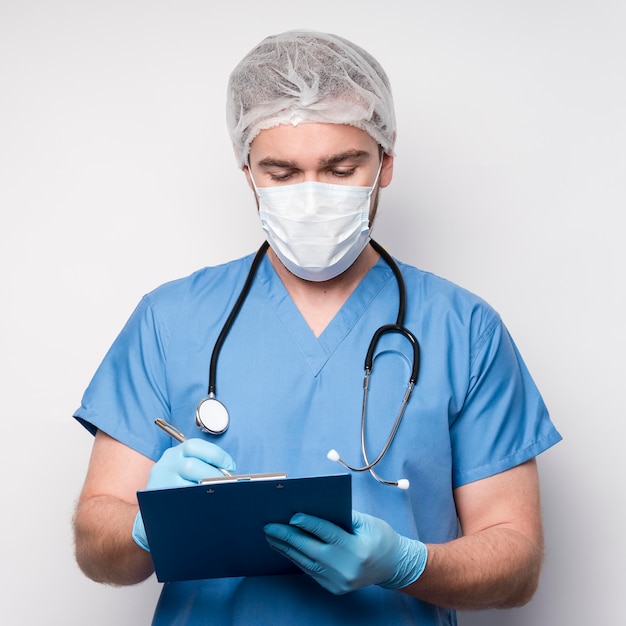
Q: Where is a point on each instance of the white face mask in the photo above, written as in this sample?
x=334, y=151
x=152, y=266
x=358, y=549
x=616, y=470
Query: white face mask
x=317, y=230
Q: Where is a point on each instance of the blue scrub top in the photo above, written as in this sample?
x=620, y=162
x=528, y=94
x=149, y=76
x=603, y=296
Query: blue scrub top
x=293, y=396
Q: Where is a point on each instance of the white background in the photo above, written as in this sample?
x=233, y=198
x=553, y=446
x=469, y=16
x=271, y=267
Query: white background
x=116, y=174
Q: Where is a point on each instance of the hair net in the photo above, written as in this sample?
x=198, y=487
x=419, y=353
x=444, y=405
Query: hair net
x=306, y=76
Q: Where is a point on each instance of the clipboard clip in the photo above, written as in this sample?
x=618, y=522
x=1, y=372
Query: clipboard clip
x=242, y=478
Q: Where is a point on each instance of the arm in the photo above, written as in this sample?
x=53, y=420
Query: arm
x=497, y=561
x=106, y=535
x=106, y=510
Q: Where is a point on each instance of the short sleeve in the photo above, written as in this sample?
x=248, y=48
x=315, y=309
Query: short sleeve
x=128, y=391
x=503, y=421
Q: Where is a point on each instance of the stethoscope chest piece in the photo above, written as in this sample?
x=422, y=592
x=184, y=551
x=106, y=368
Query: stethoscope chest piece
x=211, y=416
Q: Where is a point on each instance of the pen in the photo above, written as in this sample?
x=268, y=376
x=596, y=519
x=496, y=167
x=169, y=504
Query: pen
x=178, y=436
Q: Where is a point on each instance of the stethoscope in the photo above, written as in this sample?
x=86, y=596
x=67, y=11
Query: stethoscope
x=212, y=416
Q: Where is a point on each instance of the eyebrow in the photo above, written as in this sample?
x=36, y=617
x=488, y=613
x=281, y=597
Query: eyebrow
x=325, y=162
x=344, y=156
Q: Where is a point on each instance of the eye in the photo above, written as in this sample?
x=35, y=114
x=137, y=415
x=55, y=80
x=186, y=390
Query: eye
x=280, y=176
x=342, y=172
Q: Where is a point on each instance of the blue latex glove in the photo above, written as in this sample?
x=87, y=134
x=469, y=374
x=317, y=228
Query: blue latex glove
x=342, y=562
x=180, y=466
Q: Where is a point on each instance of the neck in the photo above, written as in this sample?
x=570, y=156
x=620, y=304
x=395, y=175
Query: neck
x=319, y=302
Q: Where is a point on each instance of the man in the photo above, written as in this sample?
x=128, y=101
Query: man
x=312, y=122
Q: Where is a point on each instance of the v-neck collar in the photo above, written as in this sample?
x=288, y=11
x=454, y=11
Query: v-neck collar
x=317, y=350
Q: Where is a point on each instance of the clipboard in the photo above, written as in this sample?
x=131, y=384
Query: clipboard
x=215, y=529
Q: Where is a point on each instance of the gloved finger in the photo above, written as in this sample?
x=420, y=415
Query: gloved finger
x=294, y=538
x=358, y=519
x=316, y=569
x=208, y=452
x=175, y=470
x=289, y=535
x=194, y=470
x=321, y=528
x=288, y=547
x=139, y=533
x=159, y=480
x=365, y=525
x=187, y=463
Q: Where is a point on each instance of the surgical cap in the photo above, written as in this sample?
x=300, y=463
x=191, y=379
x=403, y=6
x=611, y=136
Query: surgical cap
x=306, y=76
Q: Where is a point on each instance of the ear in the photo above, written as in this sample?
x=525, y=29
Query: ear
x=246, y=171
x=386, y=170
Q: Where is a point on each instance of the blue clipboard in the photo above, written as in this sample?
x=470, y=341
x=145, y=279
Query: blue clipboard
x=215, y=530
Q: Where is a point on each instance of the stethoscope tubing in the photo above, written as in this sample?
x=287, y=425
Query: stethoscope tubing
x=230, y=320
x=398, y=327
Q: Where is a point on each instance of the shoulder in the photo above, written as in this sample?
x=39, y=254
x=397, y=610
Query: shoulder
x=427, y=288
x=205, y=283
x=198, y=296
x=449, y=314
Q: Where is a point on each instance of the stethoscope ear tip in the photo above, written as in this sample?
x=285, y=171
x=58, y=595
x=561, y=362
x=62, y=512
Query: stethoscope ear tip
x=333, y=455
x=403, y=484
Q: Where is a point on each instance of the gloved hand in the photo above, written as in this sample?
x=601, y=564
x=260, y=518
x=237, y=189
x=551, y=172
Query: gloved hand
x=342, y=562
x=180, y=466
